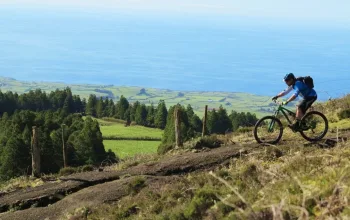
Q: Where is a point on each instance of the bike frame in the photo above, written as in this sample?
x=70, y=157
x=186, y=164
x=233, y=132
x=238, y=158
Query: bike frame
x=285, y=113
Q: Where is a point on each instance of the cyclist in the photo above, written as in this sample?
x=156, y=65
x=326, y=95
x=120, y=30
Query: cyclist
x=309, y=97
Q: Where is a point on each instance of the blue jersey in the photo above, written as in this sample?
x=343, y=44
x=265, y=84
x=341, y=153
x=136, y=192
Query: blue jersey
x=303, y=90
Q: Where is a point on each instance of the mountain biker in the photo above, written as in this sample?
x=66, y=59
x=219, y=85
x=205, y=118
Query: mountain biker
x=309, y=97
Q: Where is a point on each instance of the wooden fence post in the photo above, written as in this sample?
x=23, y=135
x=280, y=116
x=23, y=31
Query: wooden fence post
x=177, y=127
x=35, y=154
x=205, y=121
x=64, y=148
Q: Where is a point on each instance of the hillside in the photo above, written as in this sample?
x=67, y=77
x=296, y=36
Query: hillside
x=231, y=101
x=234, y=181
x=239, y=180
x=219, y=177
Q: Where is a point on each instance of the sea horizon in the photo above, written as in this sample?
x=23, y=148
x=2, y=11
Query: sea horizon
x=83, y=48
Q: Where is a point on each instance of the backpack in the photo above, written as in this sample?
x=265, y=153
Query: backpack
x=307, y=80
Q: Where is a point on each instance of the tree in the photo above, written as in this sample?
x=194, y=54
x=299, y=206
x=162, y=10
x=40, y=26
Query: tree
x=122, y=106
x=106, y=108
x=82, y=138
x=213, y=117
x=224, y=122
x=169, y=131
x=195, y=122
x=133, y=109
x=150, y=116
x=242, y=119
x=127, y=116
x=160, y=119
x=111, y=109
x=88, y=144
x=100, y=108
x=218, y=121
x=26, y=136
x=68, y=106
x=91, y=105
x=15, y=158
x=141, y=115
x=78, y=104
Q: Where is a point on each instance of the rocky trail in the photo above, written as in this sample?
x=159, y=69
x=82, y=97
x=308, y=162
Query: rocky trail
x=54, y=200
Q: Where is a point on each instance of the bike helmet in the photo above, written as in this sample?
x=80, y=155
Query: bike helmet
x=289, y=76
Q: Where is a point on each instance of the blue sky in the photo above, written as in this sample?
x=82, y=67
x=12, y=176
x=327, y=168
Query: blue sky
x=336, y=11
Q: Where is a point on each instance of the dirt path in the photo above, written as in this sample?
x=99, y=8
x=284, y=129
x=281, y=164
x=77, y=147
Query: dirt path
x=53, y=200
x=88, y=197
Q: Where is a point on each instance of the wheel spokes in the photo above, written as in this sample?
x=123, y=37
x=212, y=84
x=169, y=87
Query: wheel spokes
x=314, y=126
x=268, y=131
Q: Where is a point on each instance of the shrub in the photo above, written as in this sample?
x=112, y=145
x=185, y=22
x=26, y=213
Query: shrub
x=68, y=171
x=224, y=209
x=344, y=114
x=273, y=153
x=210, y=142
x=127, y=212
x=244, y=129
x=163, y=148
x=136, y=185
x=203, y=200
x=87, y=168
x=207, y=141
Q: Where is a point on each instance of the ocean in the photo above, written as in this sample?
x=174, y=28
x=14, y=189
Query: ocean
x=170, y=53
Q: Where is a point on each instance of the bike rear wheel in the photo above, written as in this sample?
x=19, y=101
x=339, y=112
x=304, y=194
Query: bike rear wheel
x=314, y=126
x=268, y=130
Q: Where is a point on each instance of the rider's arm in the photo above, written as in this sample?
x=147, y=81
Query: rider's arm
x=286, y=91
x=292, y=98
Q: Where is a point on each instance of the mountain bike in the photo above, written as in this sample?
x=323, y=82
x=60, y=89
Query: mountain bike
x=269, y=129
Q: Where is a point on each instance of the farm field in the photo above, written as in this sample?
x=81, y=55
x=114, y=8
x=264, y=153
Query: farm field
x=197, y=99
x=128, y=148
x=124, y=148
x=119, y=130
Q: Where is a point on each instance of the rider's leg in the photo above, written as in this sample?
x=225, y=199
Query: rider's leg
x=299, y=114
x=298, y=117
x=303, y=106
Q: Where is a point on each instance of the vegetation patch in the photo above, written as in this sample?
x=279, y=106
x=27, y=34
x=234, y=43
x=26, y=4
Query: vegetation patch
x=120, y=131
x=126, y=148
x=136, y=185
x=203, y=199
x=23, y=182
x=67, y=171
x=288, y=180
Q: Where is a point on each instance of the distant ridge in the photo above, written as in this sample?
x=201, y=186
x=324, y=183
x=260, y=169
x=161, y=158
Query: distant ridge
x=237, y=101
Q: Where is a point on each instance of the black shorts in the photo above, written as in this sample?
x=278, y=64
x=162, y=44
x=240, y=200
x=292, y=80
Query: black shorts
x=306, y=103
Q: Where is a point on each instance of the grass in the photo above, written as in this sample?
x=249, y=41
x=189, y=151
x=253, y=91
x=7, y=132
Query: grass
x=297, y=182
x=119, y=130
x=129, y=148
x=342, y=124
x=125, y=149
x=24, y=182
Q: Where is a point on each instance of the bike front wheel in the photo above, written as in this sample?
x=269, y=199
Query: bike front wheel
x=268, y=130
x=314, y=126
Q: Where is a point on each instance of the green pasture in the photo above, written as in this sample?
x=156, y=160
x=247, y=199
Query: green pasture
x=119, y=130
x=130, y=148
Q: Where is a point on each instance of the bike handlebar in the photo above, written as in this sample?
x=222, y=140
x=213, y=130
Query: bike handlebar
x=277, y=102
